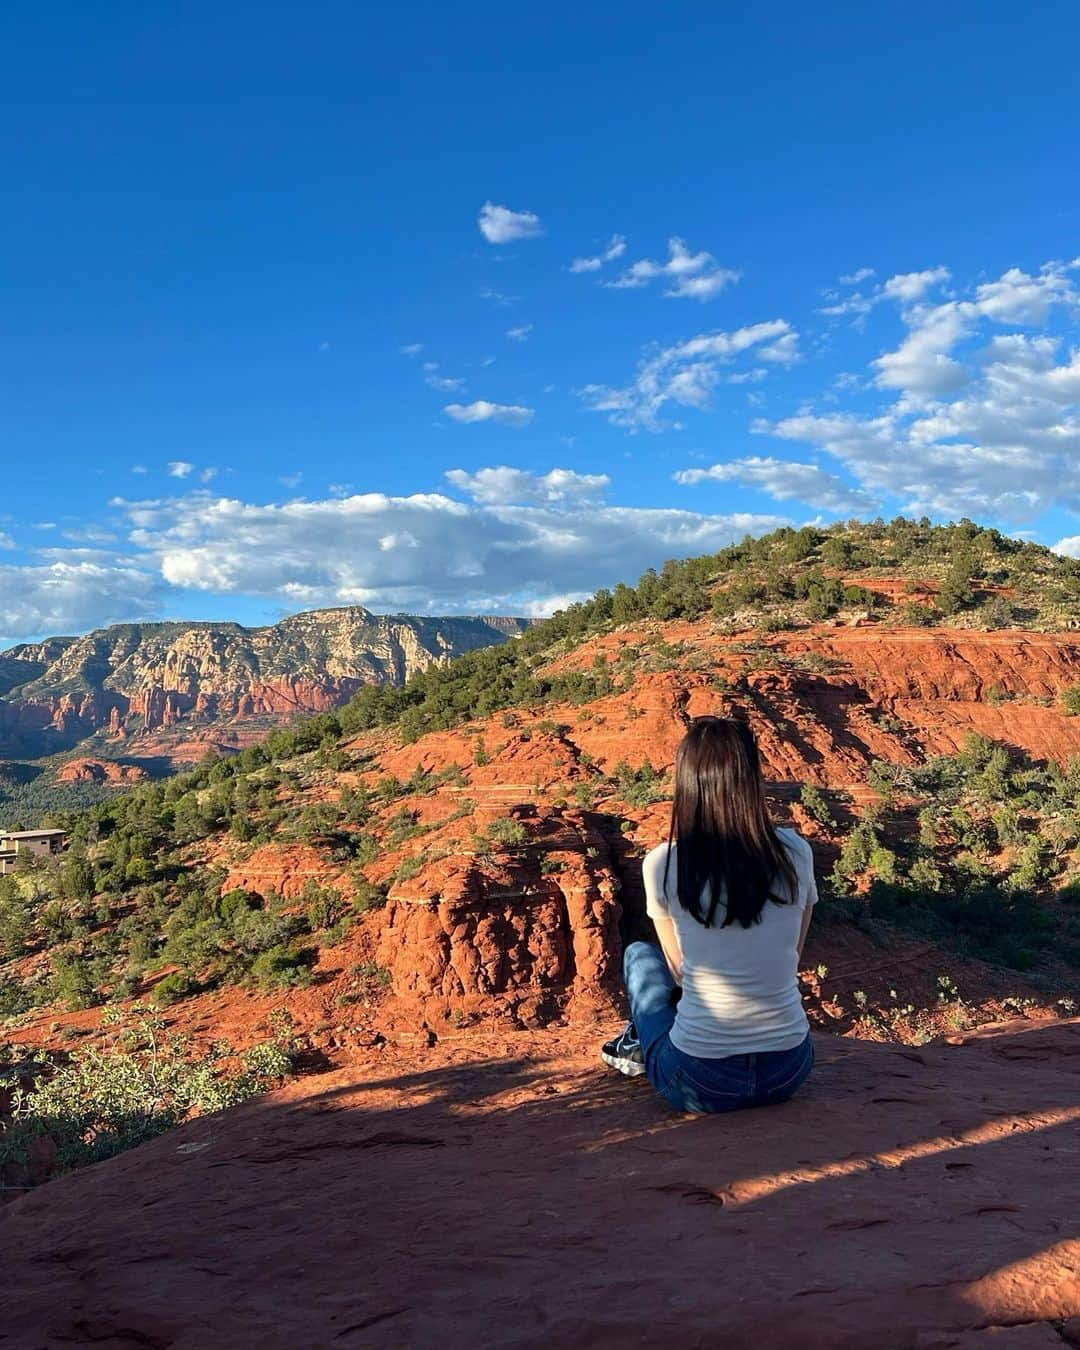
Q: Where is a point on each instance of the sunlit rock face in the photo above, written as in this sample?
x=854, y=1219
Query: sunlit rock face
x=139, y=679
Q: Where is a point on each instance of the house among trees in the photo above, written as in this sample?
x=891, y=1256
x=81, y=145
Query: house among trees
x=28, y=843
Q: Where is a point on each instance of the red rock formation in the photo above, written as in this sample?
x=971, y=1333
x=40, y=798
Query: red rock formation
x=102, y=771
x=285, y=870
x=498, y=934
x=506, y=1191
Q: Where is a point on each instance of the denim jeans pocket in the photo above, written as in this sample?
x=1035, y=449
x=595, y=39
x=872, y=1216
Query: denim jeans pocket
x=791, y=1075
x=713, y=1087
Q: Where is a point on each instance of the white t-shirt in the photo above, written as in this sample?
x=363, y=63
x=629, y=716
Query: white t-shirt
x=740, y=985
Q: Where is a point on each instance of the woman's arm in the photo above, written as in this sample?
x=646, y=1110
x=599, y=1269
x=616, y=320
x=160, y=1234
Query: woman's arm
x=669, y=943
x=808, y=889
x=808, y=914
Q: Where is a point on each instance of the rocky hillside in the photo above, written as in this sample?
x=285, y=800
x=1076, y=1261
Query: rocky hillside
x=150, y=694
x=423, y=895
x=468, y=842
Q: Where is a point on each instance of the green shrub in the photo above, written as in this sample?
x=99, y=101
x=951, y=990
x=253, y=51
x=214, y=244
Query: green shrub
x=914, y=615
x=507, y=831
x=284, y=968
x=324, y=906
x=75, y=981
x=172, y=988
x=815, y=805
x=140, y=1084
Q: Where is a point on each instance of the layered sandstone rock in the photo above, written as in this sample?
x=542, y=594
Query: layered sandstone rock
x=148, y=677
x=534, y=933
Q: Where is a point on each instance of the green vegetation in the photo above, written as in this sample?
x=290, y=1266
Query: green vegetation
x=141, y=1082
x=995, y=837
x=125, y=912
x=815, y=805
x=639, y=787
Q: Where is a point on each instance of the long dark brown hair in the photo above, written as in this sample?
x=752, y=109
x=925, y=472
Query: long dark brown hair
x=728, y=849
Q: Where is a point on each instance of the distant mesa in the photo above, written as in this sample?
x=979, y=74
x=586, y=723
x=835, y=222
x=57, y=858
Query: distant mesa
x=161, y=689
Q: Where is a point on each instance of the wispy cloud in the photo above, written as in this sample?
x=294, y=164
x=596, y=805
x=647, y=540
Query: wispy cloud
x=180, y=468
x=446, y=384
x=504, y=486
x=687, y=373
x=786, y=481
x=496, y=297
x=507, y=414
x=904, y=288
x=500, y=225
x=694, y=276
x=615, y=249
x=411, y=349
x=520, y=333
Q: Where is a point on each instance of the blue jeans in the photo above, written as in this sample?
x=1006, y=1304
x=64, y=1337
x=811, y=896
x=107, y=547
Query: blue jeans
x=685, y=1081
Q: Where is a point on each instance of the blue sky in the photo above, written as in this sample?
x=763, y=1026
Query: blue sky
x=446, y=308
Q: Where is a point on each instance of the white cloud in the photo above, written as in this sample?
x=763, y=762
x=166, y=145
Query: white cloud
x=180, y=468
x=207, y=475
x=692, y=275
x=503, y=485
x=520, y=333
x=907, y=287
x=90, y=534
x=500, y=225
x=71, y=596
x=783, y=352
x=425, y=552
x=979, y=424
x=685, y=374
x=786, y=481
x=509, y=415
x=411, y=349
x=1068, y=548
x=705, y=286
x=903, y=288
x=447, y=384
x=615, y=249
x=6, y=541
x=856, y=303
x=922, y=365
x=139, y=468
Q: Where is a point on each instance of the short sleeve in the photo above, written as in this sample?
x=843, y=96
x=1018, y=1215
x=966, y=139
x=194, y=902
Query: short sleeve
x=657, y=905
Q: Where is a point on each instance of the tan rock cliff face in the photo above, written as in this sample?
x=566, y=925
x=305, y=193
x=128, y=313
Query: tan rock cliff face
x=137, y=678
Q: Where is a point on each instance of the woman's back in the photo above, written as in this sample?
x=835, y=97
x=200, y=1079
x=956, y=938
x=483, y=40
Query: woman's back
x=740, y=986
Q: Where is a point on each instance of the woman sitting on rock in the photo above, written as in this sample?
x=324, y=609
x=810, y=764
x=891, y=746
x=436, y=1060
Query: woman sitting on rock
x=717, y=1021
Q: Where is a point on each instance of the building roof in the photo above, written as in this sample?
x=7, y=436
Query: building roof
x=29, y=834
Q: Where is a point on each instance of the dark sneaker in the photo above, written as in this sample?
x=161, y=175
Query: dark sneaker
x=624, y=1052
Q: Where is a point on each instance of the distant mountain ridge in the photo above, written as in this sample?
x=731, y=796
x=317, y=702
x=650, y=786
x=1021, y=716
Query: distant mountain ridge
x=137, y=678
